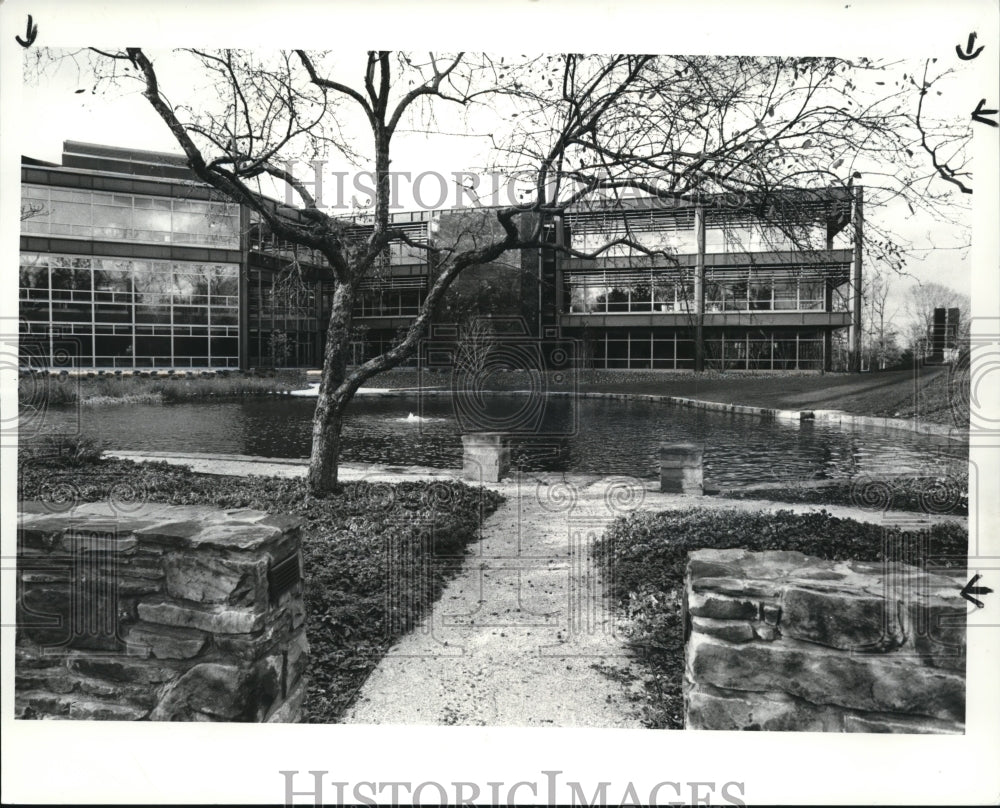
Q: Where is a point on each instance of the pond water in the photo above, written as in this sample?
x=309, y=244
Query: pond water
x=587, y=435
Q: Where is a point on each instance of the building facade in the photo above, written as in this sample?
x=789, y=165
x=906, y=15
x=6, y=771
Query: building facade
x=128, y=262
x=732, y=289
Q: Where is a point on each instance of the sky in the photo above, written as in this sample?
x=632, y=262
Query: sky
x=63, y=103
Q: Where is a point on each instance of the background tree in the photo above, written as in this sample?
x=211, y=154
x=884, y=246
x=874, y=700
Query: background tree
x=476, y=341
x=919, y=304
x=573, y=129
x=32, y=210
x=880, y=348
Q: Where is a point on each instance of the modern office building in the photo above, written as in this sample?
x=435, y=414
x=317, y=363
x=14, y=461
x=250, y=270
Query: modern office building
x=734, y=288
x=126, y=262
x=129, y=262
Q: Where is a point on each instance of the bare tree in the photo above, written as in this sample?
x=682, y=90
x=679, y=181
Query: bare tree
x=32, y=210
x=880, y=348
x=921, y=300
x=944, y=143
x=583, y=130
x=476, y=341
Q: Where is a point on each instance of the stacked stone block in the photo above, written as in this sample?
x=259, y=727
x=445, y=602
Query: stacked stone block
x=485, y=456
x=781, y=641
x=169, y=613
x=681, y=468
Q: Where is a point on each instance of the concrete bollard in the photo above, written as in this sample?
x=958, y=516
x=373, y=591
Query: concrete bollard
x=681, y=468
x=486, y=456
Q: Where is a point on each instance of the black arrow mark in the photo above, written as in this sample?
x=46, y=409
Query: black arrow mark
x=979, y=114
x=968, y=53
x=30, y=33
x=969, y=590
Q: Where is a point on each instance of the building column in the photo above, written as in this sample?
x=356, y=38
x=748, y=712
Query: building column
x=557, y=276
x=243, y=319
x=320, y=327
x=854, y=336
x=699, y=289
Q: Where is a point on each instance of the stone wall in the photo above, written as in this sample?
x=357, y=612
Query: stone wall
x=782, y=641
x=165, y=613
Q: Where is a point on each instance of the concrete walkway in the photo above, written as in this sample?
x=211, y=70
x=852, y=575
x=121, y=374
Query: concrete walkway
x=235, y=465
x=523, y=635
x=515, y=638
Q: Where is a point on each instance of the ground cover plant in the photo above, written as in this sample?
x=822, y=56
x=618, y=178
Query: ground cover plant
x=940, y=494
x=375, y=556
x=647, y=556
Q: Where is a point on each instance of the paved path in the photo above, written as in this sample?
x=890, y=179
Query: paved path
x=520, y=635
x=514, y=639
x=246, y=465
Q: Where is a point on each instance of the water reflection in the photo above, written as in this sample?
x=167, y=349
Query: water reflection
x=590, y=435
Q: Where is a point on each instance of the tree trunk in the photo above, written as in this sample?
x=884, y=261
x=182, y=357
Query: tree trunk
x=325, y=458
x=328, y=418
x=335, y=391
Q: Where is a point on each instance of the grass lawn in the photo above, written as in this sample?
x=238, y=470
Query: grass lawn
x=354, y=545
x=648, y=553
x=94, y=390
x=929, y=394
x=934, y=394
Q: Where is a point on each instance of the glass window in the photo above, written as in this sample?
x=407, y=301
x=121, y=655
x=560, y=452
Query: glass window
x=224, y=346
x=112, y=313
x=785, y=295
x=69, y=311
x=191, y=314
x=36, y=311
x=577, y=298
x=68, y=195
x=225, y=281
x=664, y=295
x=112, y=346
x=191, y=346
x=113, y=309
x=34, y=276
x=736, y=296
x=71, y=213
x=113, y=280
x=714, y=296
x=759, y=292
x=640, y=297
x=151, y=220
x=77, y=349
x=153, y=278
x=34, y=216
x=190, y=284
x=110, y=216
x=152, y=314
x=93, y=214
x=617, y=299
x=811, y=295
x=67, y=275
x=617, y=353
x=188, y=223
x=640, y=351
x=152, y=346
